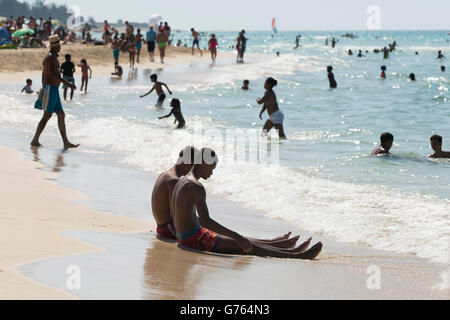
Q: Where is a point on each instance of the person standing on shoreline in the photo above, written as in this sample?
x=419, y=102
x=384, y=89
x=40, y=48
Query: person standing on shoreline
x=213, y=47
x=161, y=39
x=49, y=100
x=138, y=41
x=196, y=41
x=150, y=37
x=241, y=46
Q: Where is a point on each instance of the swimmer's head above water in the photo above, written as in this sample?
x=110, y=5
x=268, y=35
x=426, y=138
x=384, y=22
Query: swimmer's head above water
x=387, y=140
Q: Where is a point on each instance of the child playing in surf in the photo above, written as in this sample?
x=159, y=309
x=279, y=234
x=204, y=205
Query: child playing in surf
x=117, y=70
x=27, y=88
x=269, y=101
x=86, y=74
x=245, y=85
x=159, y=90
x=176, y=111
x=213, y=47
x=436, y=145
x=333, y=83
x=387, y=140
x=383, y=72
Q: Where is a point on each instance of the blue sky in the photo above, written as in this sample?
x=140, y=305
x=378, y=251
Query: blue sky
x=290, y=14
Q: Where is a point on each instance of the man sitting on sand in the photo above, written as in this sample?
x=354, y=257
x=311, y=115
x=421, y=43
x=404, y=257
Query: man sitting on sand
x=189, y=198
x=387, y=140
x=162, y=209
x=436, y=145
x=49, y=100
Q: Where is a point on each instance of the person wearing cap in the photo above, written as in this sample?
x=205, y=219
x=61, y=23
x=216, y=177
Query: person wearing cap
x=49, y=100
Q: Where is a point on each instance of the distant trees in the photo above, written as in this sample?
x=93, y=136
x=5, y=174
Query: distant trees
x=38, y=9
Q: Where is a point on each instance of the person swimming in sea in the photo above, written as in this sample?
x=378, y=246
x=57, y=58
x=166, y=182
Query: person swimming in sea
x=436, y=145
x=159, y=90
x=383, y=72
x=176, y=111
x=245, y=85
x=333, y=83
x=440, y=55
x=360, y=55
x=412, y=77
x=269, y=102
x=443, y=68
x=350, y=52
x=387, y=141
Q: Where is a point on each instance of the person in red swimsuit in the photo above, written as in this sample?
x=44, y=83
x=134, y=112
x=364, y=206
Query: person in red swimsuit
x=197, y=230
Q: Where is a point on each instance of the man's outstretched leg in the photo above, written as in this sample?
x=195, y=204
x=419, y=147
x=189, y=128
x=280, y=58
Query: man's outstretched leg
x=62, y=130
x=40, y=129
x=230, y=246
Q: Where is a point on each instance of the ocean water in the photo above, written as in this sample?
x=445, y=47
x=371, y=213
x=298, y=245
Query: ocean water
x=325, y=180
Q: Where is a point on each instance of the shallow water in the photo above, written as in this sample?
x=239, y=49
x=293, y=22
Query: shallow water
x=326, y=180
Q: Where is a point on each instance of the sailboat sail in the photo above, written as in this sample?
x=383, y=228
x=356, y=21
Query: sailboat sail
x=274, y=26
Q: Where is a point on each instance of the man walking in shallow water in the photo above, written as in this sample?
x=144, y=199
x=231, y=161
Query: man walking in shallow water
x=49, y=100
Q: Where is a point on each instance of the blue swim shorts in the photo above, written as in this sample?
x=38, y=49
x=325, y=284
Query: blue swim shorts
x=49, y=100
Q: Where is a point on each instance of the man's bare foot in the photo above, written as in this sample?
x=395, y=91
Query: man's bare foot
x=285, y=237
x=70, y=146
x=303, y=246
x=35, y=144
x=312, y=253
x=284, y=244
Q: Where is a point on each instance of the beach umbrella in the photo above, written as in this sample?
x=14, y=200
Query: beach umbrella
x=154, y=20
x=22, y=32
x=4, y=20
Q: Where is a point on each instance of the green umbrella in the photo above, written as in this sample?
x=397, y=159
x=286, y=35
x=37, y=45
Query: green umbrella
x=22, y=32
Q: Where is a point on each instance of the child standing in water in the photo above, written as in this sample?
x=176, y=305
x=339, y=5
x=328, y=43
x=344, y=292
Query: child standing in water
x=159, y=91
x=383, y=72
x=269, y=101
x=176, y=111
x=86, y=74
x=333, y=84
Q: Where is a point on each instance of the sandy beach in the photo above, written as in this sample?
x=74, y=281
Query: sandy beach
x=34, y=211
x=59, y=209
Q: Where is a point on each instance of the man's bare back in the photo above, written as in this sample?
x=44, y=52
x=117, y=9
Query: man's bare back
x=51, y=68
x=162, y=193
x=183, y=202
